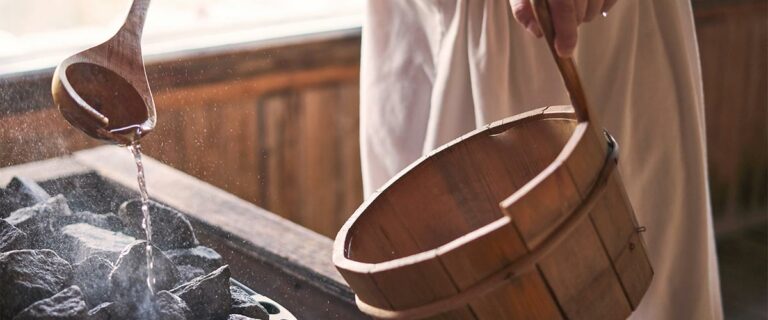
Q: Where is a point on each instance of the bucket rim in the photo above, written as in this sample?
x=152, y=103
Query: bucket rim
x=343, y=238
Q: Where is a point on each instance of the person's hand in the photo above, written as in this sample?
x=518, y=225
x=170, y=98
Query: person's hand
x=567, y=15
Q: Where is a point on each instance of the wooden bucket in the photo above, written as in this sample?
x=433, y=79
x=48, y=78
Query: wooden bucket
x=524, y=219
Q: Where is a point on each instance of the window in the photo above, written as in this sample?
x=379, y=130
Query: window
x=38, y=34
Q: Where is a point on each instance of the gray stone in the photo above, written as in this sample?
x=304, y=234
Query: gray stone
x=244, y=304
x=27, y=276
x=92, y=276
x=164, y=306
x=42, y=221
x=187, y=273
x=81, y=240
x=177, y=231
x=65, y=305
x=10, y=201
x=108, y=221
x=102, y=312
x=111, y=311
x=167, y=306
x=208, y=296
x=20, y=193
x=201, y=257
x=128, y=280
x=239, y=317
x=11, y=238
x=30, y=192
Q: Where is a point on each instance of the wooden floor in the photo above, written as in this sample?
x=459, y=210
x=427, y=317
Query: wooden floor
x=743, y=259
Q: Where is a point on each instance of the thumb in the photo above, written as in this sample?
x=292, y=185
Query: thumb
x=523, y=13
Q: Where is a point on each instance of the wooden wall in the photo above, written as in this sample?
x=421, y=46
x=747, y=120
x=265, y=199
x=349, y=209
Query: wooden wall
x=276, y=124
x=733, y=42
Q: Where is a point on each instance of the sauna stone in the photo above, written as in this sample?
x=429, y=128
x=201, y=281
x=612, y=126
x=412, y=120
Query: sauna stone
x=11, y=238
x=208, y=296
x=187, y=273
x=28, y=276
x=241, y=317
x=128, y=280
x=20, y=193
x=200, y=257
x=102, y=311
x=162, y=218
x=41, y=221
x=28, y=191
x=108, y=221
x=109, y=311
x=244, y=304
x=92, y=276
x=65, y=305
x=168, y=306
x=164, y=306
x=10, y=201
x=94, y=263
x=80, y=240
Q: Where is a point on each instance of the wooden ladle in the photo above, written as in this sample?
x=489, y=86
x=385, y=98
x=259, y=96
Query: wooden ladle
x=104, y=91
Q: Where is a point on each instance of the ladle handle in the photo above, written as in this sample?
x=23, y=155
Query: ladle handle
x=566, y=65
x=134, y=22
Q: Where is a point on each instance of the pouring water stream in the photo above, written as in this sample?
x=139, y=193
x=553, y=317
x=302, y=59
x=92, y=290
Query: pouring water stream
x=146, y=223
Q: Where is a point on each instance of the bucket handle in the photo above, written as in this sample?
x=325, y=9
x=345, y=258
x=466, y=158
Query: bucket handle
x=566, y=66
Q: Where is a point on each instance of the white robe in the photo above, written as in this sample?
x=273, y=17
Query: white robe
x=433, y=70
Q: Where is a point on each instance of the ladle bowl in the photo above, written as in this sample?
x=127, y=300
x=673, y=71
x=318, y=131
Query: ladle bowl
x=103, y=91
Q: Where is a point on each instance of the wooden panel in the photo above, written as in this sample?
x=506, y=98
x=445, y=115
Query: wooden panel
x=733, y=43
x=612, y=217
x=470, y=264
x=417, y=284
x=613, y=221
x=287, y=151
x=581, y=277
x=539, y=213
x=578, y=270
x=347, y=133
x=634, y=270
x=468, y=187
x=232, y=118
x=319, y=167
x=380, y=236
x=478, y=259
x=423, y=195
x=366, y=288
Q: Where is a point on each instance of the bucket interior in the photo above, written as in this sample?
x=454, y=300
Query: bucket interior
x=456, y=190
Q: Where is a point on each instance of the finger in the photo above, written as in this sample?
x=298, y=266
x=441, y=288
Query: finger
x=523, y=13
x=581, y=10
x=564, y=20
x=608, y=5
x=594, y=8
